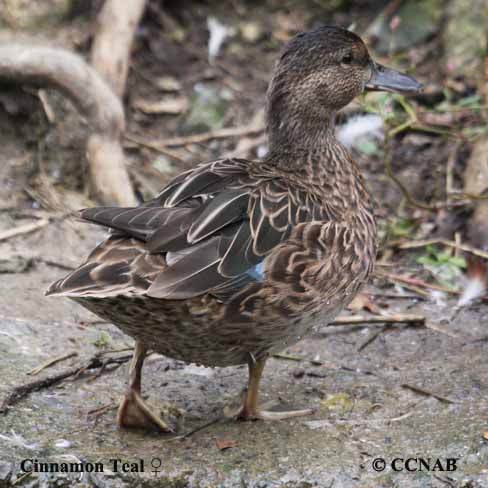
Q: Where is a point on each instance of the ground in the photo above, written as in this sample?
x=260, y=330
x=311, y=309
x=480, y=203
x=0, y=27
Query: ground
x=399, y=391
x=363, y=413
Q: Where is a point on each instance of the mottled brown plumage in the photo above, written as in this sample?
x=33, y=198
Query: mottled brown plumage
x=236, y=259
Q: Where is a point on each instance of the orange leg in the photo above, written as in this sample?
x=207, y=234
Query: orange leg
x=133, y=411
x=249, y=409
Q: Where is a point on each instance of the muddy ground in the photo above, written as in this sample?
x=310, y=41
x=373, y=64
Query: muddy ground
x=400, y=391
x=363, y=412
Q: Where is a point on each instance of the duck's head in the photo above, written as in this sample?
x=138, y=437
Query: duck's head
x=321, y=71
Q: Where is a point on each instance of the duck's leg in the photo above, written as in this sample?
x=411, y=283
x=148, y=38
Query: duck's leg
x=133, y=411
x=249, y=409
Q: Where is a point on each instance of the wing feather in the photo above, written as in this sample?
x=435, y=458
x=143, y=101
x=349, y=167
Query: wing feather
x=209, y=231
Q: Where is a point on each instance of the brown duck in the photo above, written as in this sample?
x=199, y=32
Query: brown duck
x=236, y=260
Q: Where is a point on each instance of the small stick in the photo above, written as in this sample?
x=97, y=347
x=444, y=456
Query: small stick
x=198, y=429
x=51, y=362
x=445, y=242
x=451, y=161
x=21, y=391
x=332, y=366
x=396, y=296
x=416, y=282
x=442, y=330
x=51, y=262
x=372, y=337
x=97, y=413
x=421, y=391
x=23, y=229
x=288, y=357
x=153, y=146
x=240, y=131
x=378, y=319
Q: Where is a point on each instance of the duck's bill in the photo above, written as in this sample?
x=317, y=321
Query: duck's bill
x=387, y=79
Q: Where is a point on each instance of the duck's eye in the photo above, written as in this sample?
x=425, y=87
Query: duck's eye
x=347, y=58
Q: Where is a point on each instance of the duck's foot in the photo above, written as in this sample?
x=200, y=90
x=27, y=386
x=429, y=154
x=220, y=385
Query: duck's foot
x=134, y=413
x=248, y=408
x=245, y=411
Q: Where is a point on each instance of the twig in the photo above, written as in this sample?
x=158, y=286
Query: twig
x=441, y=329
x=378, y=319
x=28, y=228
x=422, y=391
x=56, y=264
x=451, y=161
x=198, y=429
x=396, y=296
x=97, y=413
x=372, y=337
x=315, y=362
x=50, y=115
x=21, y=391
x=205, y=136
x=23, y=229
x=154, y=147
x=411, y=282
x=446, y=242
x=21, y=478
x=51, y=362
x=434, y=207
x=288, y=357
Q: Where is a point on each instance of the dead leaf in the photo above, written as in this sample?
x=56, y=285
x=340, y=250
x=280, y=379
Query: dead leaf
x=167, y=83
x=362, y=301
x=340, y=401
x=485, y=435
x=225, y=443
x=174, y=106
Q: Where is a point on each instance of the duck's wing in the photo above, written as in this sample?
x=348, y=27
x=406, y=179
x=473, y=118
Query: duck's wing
x=211, y=228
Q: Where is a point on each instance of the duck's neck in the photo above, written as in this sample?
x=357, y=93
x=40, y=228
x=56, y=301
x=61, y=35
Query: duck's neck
x=297, y=134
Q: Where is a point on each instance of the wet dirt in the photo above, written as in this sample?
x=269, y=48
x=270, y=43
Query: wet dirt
x=363, y=411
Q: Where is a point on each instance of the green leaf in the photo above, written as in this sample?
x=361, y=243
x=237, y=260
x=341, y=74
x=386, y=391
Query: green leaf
x=459, y=262
x=427, y=260
x=104, y=340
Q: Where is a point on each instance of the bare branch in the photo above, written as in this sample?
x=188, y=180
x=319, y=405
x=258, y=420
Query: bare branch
x=52, y=66
x=112, y=44
x=69, y=73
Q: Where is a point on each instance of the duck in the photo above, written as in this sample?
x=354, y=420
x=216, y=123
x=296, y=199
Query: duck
x=236, y=260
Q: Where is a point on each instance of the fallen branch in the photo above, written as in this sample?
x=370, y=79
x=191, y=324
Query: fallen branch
x=21, y=391
x=68, y=72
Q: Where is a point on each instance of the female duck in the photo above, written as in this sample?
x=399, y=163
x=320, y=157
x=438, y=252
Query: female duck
x=236, y=260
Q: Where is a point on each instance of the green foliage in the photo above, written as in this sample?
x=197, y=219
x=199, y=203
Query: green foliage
x=435, y=257
x=401, y=227
x=104, y=340
x=446, y=267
